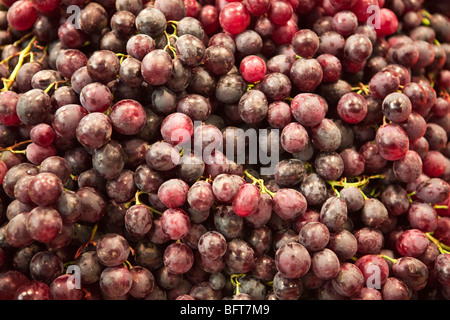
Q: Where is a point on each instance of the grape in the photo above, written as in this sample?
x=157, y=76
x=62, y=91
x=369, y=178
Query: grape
x=234, y=18
x=175, y=223
x=156, y=67
x=314, y=236
x=116, y=281
x=325, y=264
x=367, y=264
x=434, y=190
x=352, y=107
x=33, y=106
x=190, y=50
x=353, y=198
x=289, y=204
x=383, y=83
x=395, y=199
x=130, y=128
x=173, y=193
x=143, y=282
x=253, y=106
x=109, y=160
x=239, y=256
x=292, y=260
x=212, y=245
x=306, y=74
x=94, y=130
x=138, y=220
x=177, y=128
x=178, y=258
x=308, y=109
x=369, y=240
x=43, y=224
x=411, y=271
x=46, y=267
x=195, y=106
x=441, y=266
x=353, y=162
x=349, y=280
x=392, y=142
x=103, y=66
x=246, y=200
x=329, y=165
x=112, y=250
x=16, y=233
x=331, y=67
x=22, y=15
x=45, y=189
x=33, y=290
x=412, y=243
x=326, y=136
x=252, y=68
x=305, y=43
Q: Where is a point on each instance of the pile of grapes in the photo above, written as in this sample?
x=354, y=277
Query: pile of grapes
x=118, y=118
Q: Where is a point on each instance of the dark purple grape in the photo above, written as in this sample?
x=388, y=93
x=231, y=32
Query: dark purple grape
x=178, y=258
x=306, y=74
x=289, y=204
x=44, y=224
x=212, y=245
x=112, y=250
x=240, y=257
x=292, y=260
x=116, y=281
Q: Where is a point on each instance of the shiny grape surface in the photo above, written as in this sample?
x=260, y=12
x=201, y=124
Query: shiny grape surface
x=225, y=150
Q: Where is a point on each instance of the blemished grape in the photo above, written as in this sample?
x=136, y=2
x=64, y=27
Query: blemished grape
x=224, y=150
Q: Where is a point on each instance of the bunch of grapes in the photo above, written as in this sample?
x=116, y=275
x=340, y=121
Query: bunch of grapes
x=118, y=119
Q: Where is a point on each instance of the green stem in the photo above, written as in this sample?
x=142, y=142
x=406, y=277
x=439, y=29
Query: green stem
x=137, y=201
x=364, y=195
x=441, y=247
x=344, y=184
x=410, y=195
x=7, y=83
x=18, y=144
x=127, y=265
x=260, y=182
x=394, y=261
x=235, y=281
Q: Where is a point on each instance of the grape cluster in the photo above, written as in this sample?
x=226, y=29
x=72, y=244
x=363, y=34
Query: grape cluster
x=102, y=198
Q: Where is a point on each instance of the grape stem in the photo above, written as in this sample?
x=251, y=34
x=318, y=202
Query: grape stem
x=260, y=182
x=91, y=241
x=4, y=61
x=441, y=247
x=127, y=265
x=16, y=43
x=54, y=84
x=7, y=83
x=410, y=196
x=168, y=46
x=235, y=281
x=360, y=183
x=137, y=201
x=361, y=88
x=394, y=261
x=17, y=144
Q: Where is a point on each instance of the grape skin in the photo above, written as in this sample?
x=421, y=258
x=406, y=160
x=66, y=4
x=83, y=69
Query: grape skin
x=106, y=128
